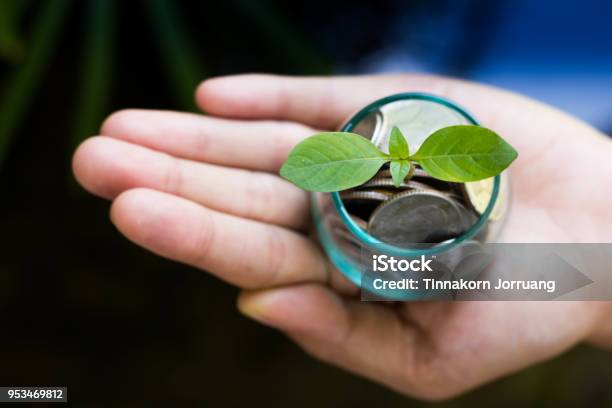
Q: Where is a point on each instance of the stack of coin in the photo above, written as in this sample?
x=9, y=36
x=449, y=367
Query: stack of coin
x=422, y=210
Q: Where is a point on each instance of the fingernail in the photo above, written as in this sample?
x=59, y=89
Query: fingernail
x=253, y=305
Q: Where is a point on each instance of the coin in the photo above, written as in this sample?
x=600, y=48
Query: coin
x=435, y=200
x=369, y=195
x=418, y=172
x=417, y=119
x=453, y=257
x=370, y=125
x=478, y=194
x=419, y=216
x=361, y=203
x=421, y=175
x=388, y=182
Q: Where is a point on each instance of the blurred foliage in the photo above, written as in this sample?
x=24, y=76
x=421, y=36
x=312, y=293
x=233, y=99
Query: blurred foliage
x=22, y=84
x=183, y=65
x=26, y=60
x=79, y=305
x=97, y=60
x=11, y=43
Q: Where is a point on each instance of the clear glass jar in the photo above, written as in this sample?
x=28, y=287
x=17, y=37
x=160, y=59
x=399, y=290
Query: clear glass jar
x=417, y=115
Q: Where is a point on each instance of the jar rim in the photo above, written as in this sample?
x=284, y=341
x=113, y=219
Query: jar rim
x=373, y=242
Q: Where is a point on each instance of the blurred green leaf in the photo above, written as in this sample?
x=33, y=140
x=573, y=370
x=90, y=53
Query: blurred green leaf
x=14, y=100
x=11, y=43
x=96, y=72
x=178, y=53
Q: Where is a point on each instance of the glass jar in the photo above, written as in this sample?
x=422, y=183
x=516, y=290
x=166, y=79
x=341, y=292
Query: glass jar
x=417, y=115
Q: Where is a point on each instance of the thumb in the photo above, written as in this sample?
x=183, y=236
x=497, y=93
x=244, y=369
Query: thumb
x=366, y=338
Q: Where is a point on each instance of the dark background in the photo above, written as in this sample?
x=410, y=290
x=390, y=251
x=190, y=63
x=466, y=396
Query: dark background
x=80, y=306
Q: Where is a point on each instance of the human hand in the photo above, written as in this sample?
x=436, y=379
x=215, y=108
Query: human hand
x=204, y=190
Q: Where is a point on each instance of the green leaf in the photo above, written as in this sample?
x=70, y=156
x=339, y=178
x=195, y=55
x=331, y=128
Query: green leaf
x=21, y=86
x=11, y=39
x=399, y=171
x=464, y=153
x=332, y=161
x=96, y=68
x=398, y=146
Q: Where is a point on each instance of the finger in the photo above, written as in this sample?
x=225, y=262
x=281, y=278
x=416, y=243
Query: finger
x=328, y=102
x=366, y=338
x=318, y=101
x=107, y=167
x=257, y=145
x=246, y=253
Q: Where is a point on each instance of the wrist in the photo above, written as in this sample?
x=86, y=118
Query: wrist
x=601, y=334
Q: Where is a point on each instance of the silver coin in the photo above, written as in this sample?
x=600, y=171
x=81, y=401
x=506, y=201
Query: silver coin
x=418, y=216
x=370, y=125
x=420, y=175
x=418, y=172
x=386, y=182
x=452, y=257
x=361, y=203
x=417, y=119
x=478, y=194
x=367, y=195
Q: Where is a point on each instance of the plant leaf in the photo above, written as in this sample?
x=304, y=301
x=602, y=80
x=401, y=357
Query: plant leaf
x=399, y=171
x=398, y=146
x=21, y=86
x=332, y=161
x=464, y=153
x=96, y=70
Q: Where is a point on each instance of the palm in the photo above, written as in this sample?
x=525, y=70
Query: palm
x=203, y=191
x=563, y=194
